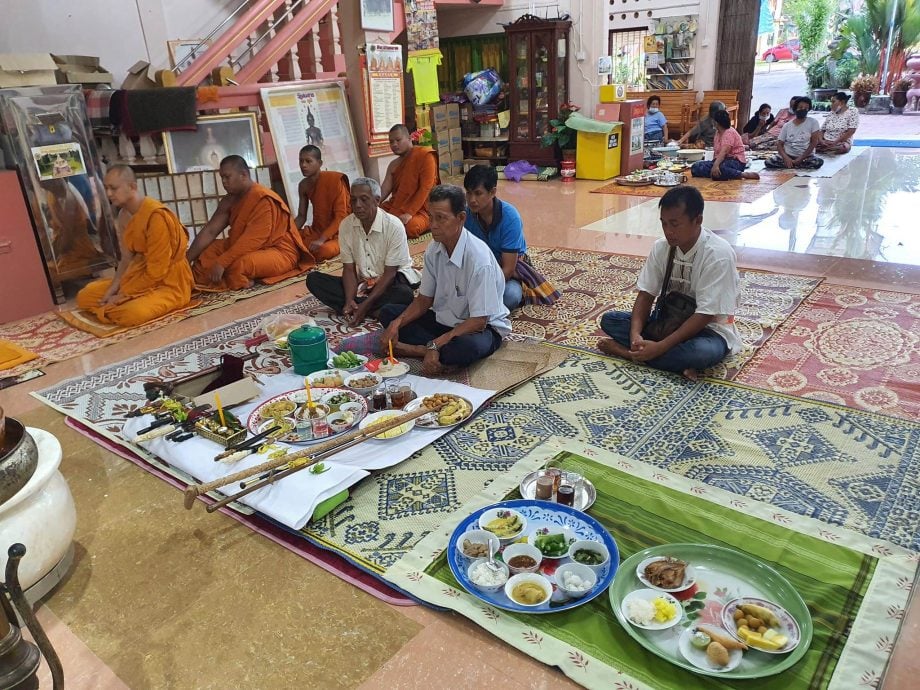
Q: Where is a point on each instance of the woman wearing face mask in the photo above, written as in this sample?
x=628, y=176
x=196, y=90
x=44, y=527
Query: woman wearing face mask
x=729, y=159
x=797, y=141
x=839, y=127
x=656, y=124
x=767, y=140
x=758, y=124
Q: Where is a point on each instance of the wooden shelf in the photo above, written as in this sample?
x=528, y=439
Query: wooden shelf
x=504, y=137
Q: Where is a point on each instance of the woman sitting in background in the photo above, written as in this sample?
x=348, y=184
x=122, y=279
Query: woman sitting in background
x=758, y=124
x=839, y=127
x=767, y=140
x=703, y=133
x=729, y=160
x=656, y=124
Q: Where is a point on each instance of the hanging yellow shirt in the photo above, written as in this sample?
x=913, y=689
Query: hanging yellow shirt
x=424, y=69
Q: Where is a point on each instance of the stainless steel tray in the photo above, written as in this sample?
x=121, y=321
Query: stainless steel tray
x=585, y=493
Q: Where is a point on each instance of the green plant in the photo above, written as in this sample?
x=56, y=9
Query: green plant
x=813, y=20
x=878, y=14
x=902, y=85
x=817, y=75
x=864, y=83
x=821, y=106
x=558, y=132
x=845, y=71
x=858, y=35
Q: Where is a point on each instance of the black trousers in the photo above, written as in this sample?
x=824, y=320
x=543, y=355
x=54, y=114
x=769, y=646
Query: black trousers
x=459, y=352
x=331, y=291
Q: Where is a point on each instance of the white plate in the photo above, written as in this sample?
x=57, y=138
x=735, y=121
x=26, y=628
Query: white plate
x=650, y=595
x=430, y=421
x=399, y=370
x=689, y=577
x=361, y=358
x=378, y=416
x=698, y=657
x=570, y=538
x=787, y=624
x=317, y=375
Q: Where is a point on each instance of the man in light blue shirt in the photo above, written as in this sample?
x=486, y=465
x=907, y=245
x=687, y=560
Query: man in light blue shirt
x=458, y=316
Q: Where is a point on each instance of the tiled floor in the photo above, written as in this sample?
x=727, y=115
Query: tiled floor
x=159, y=597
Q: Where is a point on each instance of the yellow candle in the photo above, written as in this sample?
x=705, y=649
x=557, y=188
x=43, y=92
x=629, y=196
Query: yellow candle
x=220, y=410
x=391, y=351
x=306, y=383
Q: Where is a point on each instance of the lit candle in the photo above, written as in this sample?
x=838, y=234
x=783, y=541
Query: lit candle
x=306, y=383
x=220, y=410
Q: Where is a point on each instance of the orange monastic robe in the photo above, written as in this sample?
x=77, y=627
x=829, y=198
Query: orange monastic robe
x=331, y=202
x=75, y=253
x=157, y=281
x=262, y=244
x=413, y=179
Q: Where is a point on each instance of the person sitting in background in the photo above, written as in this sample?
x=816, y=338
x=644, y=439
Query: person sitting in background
x=262, y=243
x=703, y=132
x=408, y=181
x=798, y=140
x=838, y=128
x=767, y=140
x=729, y=160
x=760, y=122
x=328, y=192
x=499, y=225
x=458, y=316
x=691, y=260
x=375, y=253
x=656, y=124
x=153, y=277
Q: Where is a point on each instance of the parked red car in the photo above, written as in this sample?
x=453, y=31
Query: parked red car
x=788, y=50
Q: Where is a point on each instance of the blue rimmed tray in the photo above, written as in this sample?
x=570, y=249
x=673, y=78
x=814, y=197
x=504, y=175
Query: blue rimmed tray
x=539, y=514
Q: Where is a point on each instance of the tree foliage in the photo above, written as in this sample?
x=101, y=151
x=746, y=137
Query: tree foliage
x=813, y=21
x=906, y=35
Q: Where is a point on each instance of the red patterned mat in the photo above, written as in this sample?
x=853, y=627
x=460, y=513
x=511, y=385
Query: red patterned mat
x=596, y=282
x=852, y=346
x=712, y=190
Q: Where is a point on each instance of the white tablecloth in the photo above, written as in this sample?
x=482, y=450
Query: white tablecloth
x=292, y=500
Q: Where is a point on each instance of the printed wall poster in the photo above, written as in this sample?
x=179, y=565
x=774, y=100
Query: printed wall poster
x=385, y=86
x=636, y=135
x=58, y=160
x=377, y=15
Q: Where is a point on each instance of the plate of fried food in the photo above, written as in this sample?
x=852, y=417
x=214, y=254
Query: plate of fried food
x=455, y=410
x=741, y=618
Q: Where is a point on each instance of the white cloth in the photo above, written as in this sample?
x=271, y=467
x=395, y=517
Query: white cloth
x=836, y=124
x=466, y=284
x=293, y=500
x=707, y=273
x=796, y=136
x=385, y=245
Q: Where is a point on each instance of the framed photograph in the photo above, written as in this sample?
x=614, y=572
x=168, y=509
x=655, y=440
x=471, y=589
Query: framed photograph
x=217, y=137
x=183, y=52
x=377, y=15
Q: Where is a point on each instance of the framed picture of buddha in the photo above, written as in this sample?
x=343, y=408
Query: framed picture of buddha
x=217, y=137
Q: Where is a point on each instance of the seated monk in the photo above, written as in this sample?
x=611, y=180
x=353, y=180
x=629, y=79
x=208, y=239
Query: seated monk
x=330, y=196
x=153, y=277
x=74, y=252
x=263, y=242
x=408, y=181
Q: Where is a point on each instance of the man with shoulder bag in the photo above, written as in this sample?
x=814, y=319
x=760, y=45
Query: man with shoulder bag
x=692, y=272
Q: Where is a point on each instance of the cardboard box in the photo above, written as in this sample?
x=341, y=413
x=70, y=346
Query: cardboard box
x=607, y=112
x=441, y=140
x=453, y=115
x=455, y=135
x=80, y=69
x=26, y=69
x=137, y=77
x=612, y=93
x=444, y=162
x=456, y=162
x=437, y=118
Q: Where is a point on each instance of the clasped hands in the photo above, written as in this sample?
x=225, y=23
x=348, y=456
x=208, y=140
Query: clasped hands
x=642, y=350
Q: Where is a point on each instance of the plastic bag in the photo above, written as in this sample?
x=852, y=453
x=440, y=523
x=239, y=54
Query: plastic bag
x=280, y=325
x=515, y=171
x=482, y=87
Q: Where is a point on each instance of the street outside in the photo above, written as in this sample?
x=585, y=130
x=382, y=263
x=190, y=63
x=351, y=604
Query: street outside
x=775, y=83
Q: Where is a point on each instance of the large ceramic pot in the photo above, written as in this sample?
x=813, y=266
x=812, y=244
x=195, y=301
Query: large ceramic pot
x=861, y=98
x=899, y=99
x=41, y=515
x=18, y=457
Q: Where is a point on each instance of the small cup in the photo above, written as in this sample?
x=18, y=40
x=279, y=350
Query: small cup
x=400, y=395
x=487, y=588
x=538, y=580
x=582, y=571
x=513, y=550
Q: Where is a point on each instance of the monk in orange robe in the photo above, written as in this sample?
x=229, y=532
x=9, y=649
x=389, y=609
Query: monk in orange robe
x=330, y=195
x=153, y=277
x=408, y=181
x=75, y=253
x=262, y=244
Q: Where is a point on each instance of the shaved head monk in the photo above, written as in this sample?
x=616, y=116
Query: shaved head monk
x=328, y=193
x=408, y=181
x=262, y=243
x=153, y=277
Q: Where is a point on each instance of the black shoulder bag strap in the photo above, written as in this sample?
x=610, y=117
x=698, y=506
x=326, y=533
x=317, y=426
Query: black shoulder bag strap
x=667, y=279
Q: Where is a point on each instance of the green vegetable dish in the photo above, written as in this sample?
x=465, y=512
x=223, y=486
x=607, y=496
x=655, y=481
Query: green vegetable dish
x=588, y=557
x=552, y=545
x=346, y=360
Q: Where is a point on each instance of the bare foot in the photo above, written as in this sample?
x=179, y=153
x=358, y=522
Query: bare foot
x=609, y=346
x=404, y=350
x=750, y=176
x=692, y=374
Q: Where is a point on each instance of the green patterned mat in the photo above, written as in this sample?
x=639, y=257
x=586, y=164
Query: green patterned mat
x=856, y=589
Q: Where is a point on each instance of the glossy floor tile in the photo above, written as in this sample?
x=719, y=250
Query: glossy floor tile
x=164, y=598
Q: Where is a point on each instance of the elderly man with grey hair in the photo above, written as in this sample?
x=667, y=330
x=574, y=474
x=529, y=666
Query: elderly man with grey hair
x=705, y=130
x=375, y=253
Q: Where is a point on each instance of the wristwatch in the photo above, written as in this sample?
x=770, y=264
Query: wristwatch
x=432, y=345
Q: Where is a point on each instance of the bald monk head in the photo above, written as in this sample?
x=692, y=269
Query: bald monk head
x=311, y=161
x=121, y=188
x=400, y=141
x=235, y=176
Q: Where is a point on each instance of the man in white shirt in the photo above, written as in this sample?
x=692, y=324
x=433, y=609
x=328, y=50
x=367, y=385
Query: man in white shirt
x=797, y=141
x=458, y=316
x=375, y=253
x=704, y=268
